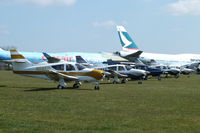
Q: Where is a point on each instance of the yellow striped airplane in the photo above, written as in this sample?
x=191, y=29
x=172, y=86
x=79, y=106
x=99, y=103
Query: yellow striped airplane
x=61, y=72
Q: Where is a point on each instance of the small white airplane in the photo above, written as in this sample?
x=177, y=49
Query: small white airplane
x=61, y=72
x=186, y=71
x=123, y=71
x=117, y=71
x=131, y=52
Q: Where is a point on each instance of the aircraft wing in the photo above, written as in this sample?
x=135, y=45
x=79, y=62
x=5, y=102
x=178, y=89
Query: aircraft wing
x=113, y=57
x=115, y=73
x=51, y=59
x=134, y=55
x=58, y=75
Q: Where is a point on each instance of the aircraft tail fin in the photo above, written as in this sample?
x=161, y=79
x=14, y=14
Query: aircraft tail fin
x=18, y=60
x=79, y=59
x=50, y=58
x=82, y=61
x=126, y=41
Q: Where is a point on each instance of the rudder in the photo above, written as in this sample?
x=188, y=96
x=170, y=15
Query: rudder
x=126, y=41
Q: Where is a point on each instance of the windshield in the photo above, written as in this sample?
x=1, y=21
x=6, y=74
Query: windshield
x=128, y=67
x=80, y=67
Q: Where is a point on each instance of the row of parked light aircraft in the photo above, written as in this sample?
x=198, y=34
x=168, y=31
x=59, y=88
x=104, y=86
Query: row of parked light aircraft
x=130, y=62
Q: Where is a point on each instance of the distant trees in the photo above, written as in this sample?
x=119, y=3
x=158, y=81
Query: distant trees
x=8, y=47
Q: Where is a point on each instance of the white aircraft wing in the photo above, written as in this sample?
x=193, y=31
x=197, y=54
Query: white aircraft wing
x=115, y=73
x=136, y=55
x=58, y=75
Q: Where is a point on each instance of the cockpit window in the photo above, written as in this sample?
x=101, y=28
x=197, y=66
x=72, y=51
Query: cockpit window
x=69, y=67
x=128, y=68
x=120, y=68
x=114, y=68
x=80, y=67
x=58, y=67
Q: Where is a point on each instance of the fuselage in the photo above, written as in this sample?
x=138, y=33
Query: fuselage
x=44, y=70
x=170, y=59
x=36, y=57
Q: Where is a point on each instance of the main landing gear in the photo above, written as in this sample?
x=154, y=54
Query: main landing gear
x=116, y=80
x=62, y=84
x=77, y=84
x=140, y=81
x=60, y=87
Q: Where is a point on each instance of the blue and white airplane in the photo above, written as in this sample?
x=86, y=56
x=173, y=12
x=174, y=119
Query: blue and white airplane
x=131, y=50
x=37, y=57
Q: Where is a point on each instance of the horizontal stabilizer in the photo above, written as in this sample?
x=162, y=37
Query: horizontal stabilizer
x=16, y=61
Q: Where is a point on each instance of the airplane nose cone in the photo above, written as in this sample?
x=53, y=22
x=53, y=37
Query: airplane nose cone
x=97, y=74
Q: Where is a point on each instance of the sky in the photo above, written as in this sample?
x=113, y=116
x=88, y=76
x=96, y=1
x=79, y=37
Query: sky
x=157, y=26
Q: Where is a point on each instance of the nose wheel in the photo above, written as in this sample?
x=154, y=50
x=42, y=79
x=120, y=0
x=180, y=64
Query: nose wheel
x=96, y=87
x=159, y=77
x=140, y=81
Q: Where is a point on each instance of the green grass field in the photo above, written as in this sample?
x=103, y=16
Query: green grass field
x=34, y=105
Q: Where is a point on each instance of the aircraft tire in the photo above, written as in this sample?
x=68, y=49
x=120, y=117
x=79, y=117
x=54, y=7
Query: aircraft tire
x=159, y=77
x=114, y=82
x=123, y=82
x=96, y=88
x=139, y=82
x=177, y=76
x=75, y=86
x=60, y=87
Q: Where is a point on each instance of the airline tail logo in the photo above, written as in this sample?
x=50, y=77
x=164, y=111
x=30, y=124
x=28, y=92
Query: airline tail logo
x=125, y=39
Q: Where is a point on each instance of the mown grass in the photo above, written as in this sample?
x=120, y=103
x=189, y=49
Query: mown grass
x=34, y=105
